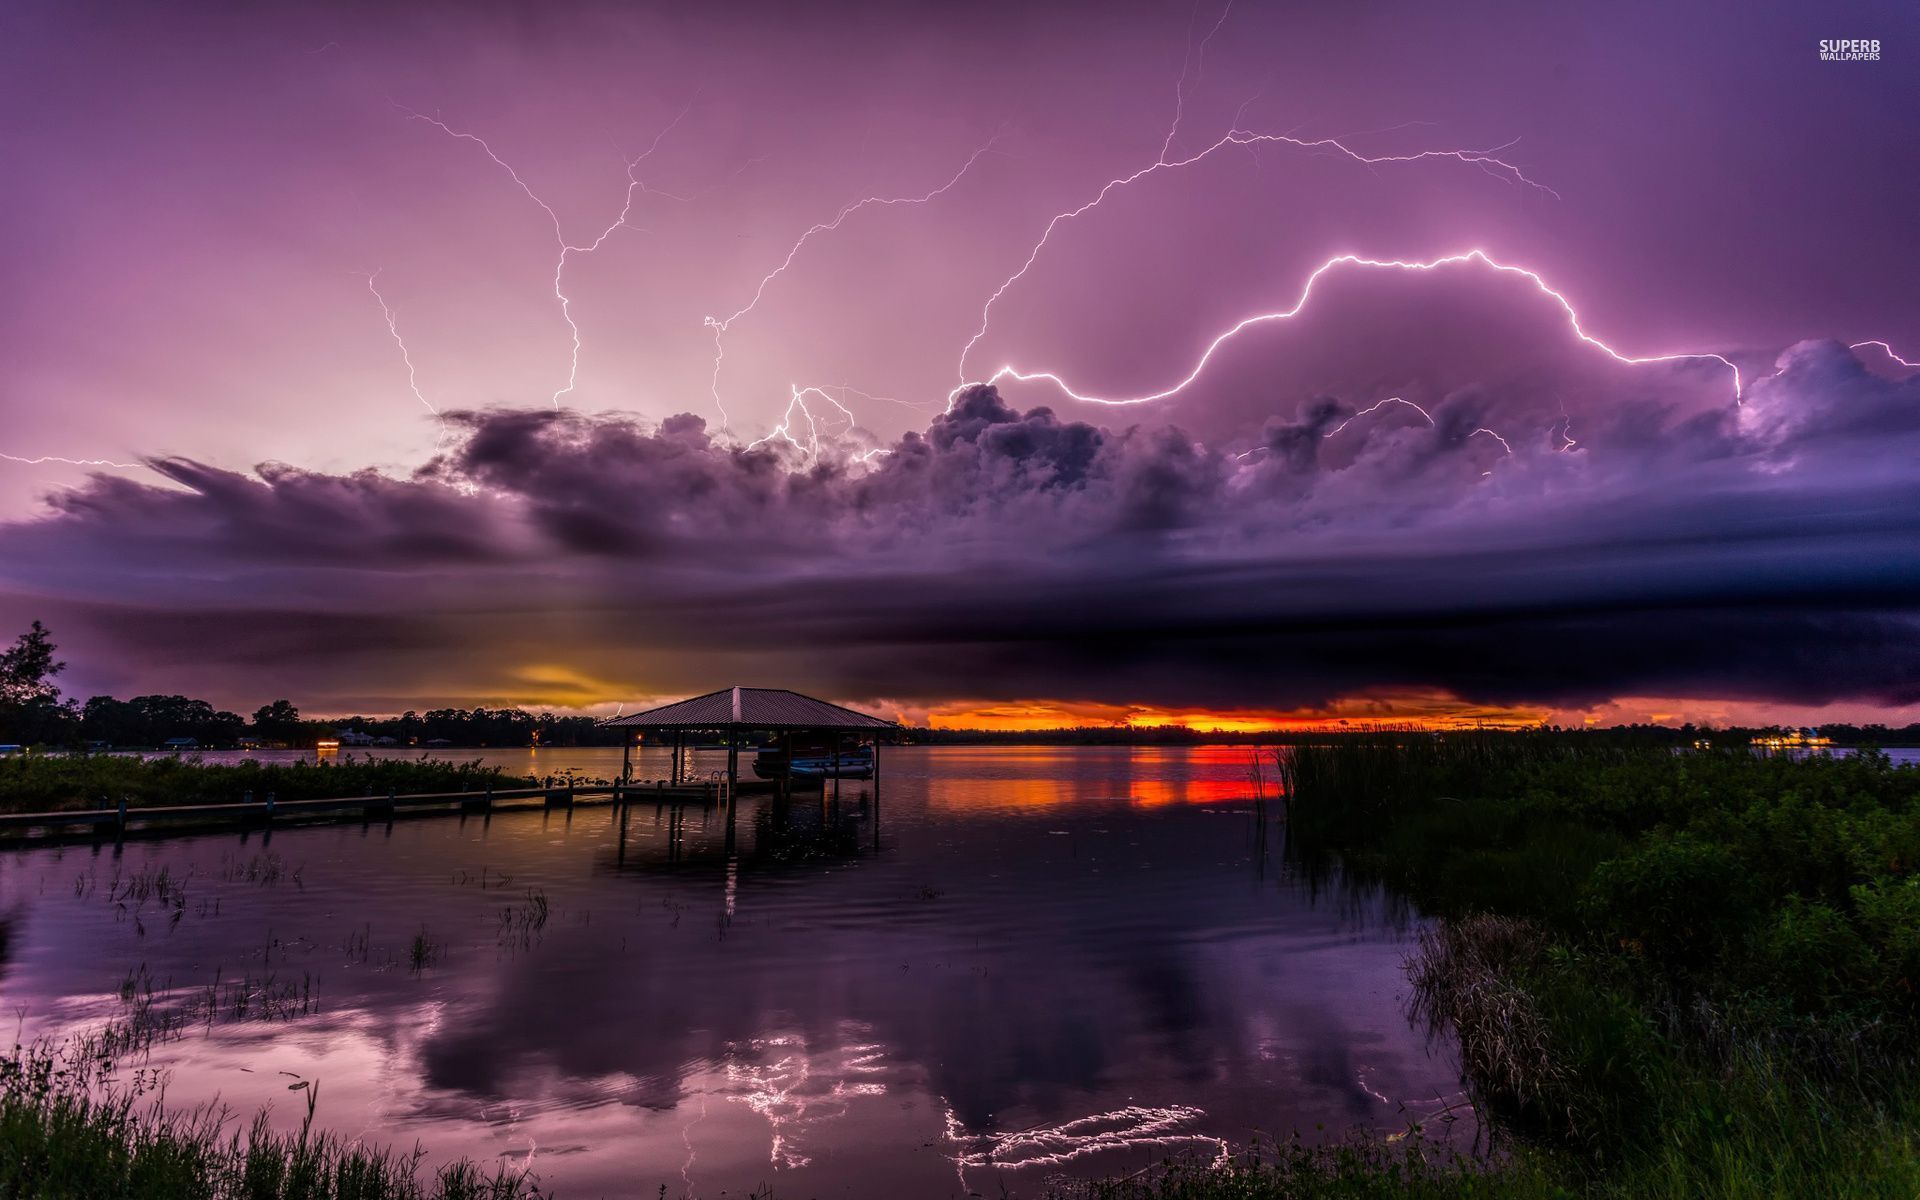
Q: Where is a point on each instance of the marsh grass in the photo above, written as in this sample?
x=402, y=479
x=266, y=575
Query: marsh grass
x=422, y=951
x=51, y=783
x=1668, y=974
x=72, y=1127
x=522, y=924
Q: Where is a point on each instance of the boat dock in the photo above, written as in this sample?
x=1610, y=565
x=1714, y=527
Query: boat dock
x=129, y=820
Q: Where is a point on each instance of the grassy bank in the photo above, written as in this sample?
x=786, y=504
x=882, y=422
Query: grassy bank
x=42, y=783
x=70, y=1130
x=1670, y=975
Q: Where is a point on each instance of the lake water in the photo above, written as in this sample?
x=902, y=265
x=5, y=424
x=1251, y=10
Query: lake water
x=1019, y=965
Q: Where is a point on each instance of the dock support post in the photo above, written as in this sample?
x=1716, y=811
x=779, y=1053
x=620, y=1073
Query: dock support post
x=269, y=806
x=733, y=784
x=786, y=779
x=626, y=758
x=122, y=827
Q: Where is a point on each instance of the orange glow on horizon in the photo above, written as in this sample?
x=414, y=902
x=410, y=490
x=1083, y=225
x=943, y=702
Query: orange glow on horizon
x=1421, y=710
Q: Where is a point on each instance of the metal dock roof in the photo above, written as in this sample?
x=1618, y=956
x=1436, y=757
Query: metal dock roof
x=750, y=708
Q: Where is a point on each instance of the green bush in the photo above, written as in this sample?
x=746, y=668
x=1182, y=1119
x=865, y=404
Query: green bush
x=1717, y=992
x=1677, y=900
x=47, y=783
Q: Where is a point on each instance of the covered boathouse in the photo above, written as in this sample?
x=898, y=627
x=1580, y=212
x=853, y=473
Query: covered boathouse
x=735, y=716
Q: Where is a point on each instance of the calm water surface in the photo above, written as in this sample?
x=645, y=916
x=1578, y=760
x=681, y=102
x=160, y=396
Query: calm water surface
x=1020, y=964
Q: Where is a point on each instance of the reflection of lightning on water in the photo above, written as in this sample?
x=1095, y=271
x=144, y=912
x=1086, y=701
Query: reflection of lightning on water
x=686, y=1139
x=1128, y=1128
x=1418, y=1112
x=784, y=1091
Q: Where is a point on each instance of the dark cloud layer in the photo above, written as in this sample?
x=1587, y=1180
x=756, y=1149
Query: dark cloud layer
x=1663, y=544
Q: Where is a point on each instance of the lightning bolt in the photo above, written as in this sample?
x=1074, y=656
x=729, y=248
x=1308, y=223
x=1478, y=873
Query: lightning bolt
x=1378, y=405
x=1496, y=437
x=566, y=248
x=1199, y=70
x=784, y=429
x=1888, y=351
x=71, y=462
x=393, y=327
x=1486, y=160
x=1567, y=441
x=1373, y=408
x=1480, y=257
x=720, y=325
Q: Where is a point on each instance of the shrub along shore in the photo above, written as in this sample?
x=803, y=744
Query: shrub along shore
x=60, y=783
x=1670, y=974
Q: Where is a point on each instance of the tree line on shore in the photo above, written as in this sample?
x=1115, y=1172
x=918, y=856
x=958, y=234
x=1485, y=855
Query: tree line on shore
x=34, y=713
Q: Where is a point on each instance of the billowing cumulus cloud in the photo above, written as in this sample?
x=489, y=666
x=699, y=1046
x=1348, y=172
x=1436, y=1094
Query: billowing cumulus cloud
x=1485, y=544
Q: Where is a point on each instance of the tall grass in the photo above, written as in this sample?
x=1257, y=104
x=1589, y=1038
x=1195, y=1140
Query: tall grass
x=70, y=1131
x=1668, y=974
x=44, y=783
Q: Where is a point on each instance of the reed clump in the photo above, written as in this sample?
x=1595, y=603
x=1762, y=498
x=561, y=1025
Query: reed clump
x=72, y=1129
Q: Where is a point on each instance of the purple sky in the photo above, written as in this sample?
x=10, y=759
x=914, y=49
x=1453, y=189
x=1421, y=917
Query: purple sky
x=198, y=195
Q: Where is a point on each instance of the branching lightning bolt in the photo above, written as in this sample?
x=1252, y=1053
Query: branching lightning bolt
x=1484, y=159
x=720, y=325
x=1480, y=257
x=567, y=249
x=1199, y=70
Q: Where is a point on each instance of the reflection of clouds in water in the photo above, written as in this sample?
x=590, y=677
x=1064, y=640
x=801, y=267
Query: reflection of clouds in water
x=1052, y=964
x=795, y=1088
x=1129, y=1128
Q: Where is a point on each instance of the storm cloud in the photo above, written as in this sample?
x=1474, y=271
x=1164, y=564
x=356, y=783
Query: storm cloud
x=1488, y=545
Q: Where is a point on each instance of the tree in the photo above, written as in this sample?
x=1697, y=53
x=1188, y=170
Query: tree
x=27, y=668
x=278, y=722
x=30, y=707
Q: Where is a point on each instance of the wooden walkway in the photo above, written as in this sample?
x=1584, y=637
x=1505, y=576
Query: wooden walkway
x=151, y=819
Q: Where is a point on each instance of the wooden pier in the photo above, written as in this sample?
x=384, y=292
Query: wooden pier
x=149, y=820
